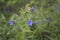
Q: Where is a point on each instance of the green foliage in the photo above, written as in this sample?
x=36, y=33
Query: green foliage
x=20, y=12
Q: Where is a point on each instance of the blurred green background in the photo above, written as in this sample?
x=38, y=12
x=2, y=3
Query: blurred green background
x=47, y=12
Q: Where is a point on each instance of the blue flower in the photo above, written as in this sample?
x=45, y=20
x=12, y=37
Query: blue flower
x=32, y=8
x=11, y=22
x=37, y=23
x=30, y=22
x=58, y=8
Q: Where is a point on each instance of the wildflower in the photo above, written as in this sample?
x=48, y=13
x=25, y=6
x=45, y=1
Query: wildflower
x=58, y=8
x=30, y=22
x=32, y=8
x=37, y=23
x=11, y=22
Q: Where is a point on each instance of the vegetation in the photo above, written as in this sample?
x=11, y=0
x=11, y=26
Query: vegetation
x=29, y=19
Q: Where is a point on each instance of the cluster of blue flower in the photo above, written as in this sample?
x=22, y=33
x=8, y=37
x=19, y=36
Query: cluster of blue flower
x=30, y=22
x=11, y=22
